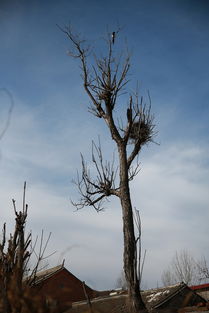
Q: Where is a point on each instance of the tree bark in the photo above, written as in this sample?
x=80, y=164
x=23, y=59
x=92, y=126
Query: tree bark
x=136, y=303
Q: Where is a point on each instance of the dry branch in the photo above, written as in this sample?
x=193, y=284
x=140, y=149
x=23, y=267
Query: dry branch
x=94, y=191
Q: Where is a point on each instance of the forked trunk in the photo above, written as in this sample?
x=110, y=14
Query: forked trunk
x=136, y=303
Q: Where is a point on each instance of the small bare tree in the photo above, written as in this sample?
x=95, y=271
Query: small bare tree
x=16, y=294
x=168, y=278
x=183, y=268
x=121, y=281
x=203, y=269
x=105, y=79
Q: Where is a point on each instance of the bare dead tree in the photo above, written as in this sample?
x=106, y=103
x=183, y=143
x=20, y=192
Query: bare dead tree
x=104, y=80
x=203, y=269
x=13, y=255
x=168, y=278
x=15, y=289
x=183, y=268
x=121, y=281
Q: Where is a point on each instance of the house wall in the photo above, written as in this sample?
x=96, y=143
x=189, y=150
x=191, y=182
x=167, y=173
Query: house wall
x=62, y=288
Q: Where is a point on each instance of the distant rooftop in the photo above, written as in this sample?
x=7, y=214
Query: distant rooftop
x=118, y=299
x=42, y=275
x=199, y=287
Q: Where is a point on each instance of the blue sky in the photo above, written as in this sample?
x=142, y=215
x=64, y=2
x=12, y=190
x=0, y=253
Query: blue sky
x=50, y=126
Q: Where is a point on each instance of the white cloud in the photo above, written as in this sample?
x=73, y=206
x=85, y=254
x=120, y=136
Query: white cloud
x=170, y=192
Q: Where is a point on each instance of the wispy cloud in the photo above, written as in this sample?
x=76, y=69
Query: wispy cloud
x=170, y=192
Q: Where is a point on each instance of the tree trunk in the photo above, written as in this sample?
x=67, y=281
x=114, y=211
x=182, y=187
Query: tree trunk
x=129, y=256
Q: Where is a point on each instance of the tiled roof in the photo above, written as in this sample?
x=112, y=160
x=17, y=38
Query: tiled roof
x=110, y=304
x=42, y=275
x=117, y=303
x=155, y=297
x=199, y=287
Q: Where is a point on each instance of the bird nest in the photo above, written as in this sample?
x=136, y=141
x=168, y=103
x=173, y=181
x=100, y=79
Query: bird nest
x=140, y=131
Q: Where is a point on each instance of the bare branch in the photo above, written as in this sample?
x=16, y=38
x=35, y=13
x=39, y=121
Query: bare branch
x=141, y=130
x=134, y=170
x=203, y=269
x=81, y=52
x=183, y=268
x=108, y=76
x=94, y=191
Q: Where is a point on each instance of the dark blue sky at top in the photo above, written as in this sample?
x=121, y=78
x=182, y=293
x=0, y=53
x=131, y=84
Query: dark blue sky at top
x=168, y=41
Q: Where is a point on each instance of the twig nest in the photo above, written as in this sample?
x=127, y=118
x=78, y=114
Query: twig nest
x=140, y=131
x=105, y=95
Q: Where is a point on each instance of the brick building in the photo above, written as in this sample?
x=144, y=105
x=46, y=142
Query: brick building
x=58, y=286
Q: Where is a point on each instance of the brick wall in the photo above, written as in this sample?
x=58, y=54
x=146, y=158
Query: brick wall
x=63, y=288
